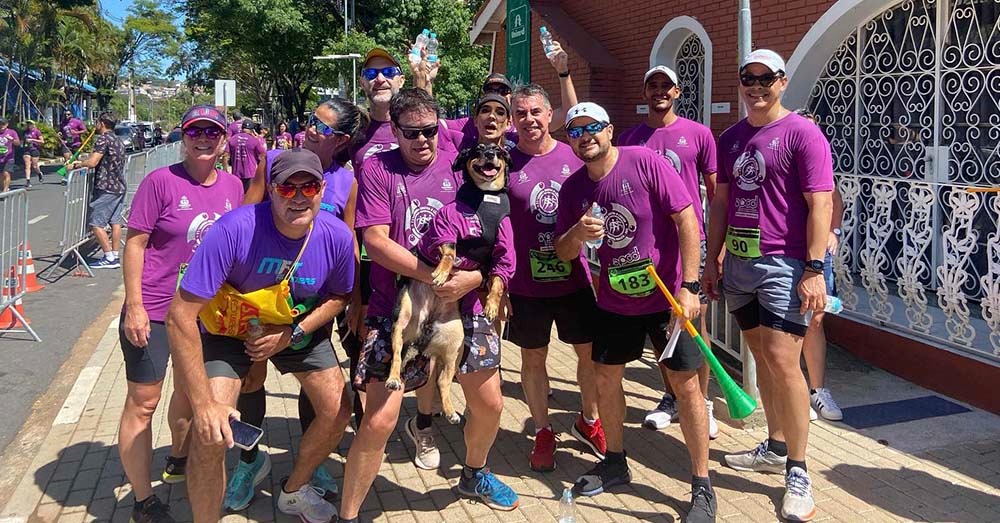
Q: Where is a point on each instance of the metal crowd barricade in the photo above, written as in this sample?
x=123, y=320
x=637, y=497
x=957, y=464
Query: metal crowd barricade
x=135, y=171
x=13, y=241
x=75, y=231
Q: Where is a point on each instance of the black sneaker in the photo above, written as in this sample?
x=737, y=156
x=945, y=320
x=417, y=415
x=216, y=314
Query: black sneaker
x=175, y=470
x=703, y=506
x=603, y=476
x=152, y=510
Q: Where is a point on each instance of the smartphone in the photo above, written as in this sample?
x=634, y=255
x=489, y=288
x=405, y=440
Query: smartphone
x=245, y=435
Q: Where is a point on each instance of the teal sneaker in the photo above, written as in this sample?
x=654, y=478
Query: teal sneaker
x=487, y=487
x=323, y=481
x=245, y=478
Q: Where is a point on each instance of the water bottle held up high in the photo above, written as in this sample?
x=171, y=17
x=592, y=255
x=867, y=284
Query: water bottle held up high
x=432, y=48
x=567, y=507
x=546, y=39
x=418, y=46
x=595, y=211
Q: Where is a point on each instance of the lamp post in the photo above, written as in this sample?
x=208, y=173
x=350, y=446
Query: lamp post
x=354, y=67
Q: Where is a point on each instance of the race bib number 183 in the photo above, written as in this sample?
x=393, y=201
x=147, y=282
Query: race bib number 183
x=632, y=279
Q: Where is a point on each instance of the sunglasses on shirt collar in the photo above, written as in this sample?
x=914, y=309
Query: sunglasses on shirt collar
x=371, y=73
x=288, y=190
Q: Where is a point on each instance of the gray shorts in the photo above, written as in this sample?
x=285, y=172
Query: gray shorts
x=226, y=357
x=145, y=364
x=762, y=291
x=106, y=209
x=8, y=166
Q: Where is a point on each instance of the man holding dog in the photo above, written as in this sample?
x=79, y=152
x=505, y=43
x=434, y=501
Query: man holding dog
x=400, y=192
x=648, y=220
x=253, y=256
x=545, y=289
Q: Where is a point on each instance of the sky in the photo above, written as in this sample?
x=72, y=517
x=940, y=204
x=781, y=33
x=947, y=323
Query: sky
x=115, y=10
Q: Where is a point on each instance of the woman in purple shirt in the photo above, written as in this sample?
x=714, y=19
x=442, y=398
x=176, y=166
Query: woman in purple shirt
x=282, y=138
x=173, y=208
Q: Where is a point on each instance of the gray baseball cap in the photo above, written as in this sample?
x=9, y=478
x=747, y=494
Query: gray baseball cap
x=294, y=161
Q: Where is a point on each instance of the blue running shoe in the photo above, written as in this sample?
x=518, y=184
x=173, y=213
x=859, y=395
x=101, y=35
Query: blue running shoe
x=323, y=481
x=105, y=263
x=487, y=487
x=245, y=478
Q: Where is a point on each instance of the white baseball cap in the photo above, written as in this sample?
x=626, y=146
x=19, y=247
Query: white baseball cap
x=658, y=70
x=587, y=109
x=765, y=57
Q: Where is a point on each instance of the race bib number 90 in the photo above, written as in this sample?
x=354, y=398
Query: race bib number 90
x=632, y=279
x=547, y=267
x=743, y=242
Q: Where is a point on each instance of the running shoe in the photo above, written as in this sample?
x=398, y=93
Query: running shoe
x=487, y=487
x=713, y=425
x=426, y=455
x=603, y=476
x=823, y=403
x=798, y=503
x=151, y=510
x=105, y=263
x=174, y=471
x=322, y=480
x=244, y=481
x=703, y=506
x=664, y=413
x=543, y=454
x=590, y=435
x=307, y=504
x=760, y=459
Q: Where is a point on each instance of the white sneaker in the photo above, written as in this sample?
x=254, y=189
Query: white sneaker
x=760, y=459
x=713, y=426
x=823, y=403
x=664, y=413
x=426, y=454
x=812, y=414
x=307, y=504
x=798, y=503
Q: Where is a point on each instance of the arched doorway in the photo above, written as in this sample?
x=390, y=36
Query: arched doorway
x=910, y=101
x=684, y=46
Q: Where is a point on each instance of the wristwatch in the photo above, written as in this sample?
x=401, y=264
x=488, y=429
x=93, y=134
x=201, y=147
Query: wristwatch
x=838, y=232
x=815, y=266
x=297, y=335
x=693, y=286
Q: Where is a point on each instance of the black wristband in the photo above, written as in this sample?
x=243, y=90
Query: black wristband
x=564, y=75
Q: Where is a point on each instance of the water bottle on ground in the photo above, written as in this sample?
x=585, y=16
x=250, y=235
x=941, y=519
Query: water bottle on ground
x=419, y=45
x=595, y=211
x=546, y=40
x=255, y=329
x=567, y=507
x=432, y=48
x=833, y=305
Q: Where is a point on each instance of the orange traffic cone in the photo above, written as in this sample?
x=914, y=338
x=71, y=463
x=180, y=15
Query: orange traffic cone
x=30, y=279
x=11, y=287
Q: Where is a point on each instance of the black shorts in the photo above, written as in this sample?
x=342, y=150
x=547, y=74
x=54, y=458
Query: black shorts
x=366, y=284
x=621, y=339
x=246, y=184
x=530, y=326
x=145, y=364
x=227, y=357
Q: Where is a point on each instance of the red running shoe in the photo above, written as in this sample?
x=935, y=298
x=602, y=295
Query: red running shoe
x=591, y=436
x=543, y=455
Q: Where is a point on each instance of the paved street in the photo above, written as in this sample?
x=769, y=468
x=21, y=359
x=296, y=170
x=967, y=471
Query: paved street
x=934, y=469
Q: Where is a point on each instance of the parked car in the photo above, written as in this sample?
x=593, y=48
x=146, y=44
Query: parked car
x=126, y=135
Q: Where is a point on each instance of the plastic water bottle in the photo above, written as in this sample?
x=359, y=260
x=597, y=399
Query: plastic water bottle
x=419, y=45
x=595, y=211
x=255, y=329
x=432, y=48
x=833, y=305
x=567, y=507
x=546, y=39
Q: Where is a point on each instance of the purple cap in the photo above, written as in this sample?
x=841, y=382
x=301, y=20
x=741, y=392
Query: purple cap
x=204, y=113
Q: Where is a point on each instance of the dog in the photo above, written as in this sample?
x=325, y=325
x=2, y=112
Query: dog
x=422, y=320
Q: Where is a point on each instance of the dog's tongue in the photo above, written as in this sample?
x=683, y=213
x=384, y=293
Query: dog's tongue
x=490, y=173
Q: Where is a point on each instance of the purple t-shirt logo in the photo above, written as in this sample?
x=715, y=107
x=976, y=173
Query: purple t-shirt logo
x=749, y=170
x=619, y=226
x=419, y=217
x=201, y=223
x=545, y=201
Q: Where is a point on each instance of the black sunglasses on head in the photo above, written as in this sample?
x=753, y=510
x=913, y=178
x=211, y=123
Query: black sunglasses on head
x=500, y=89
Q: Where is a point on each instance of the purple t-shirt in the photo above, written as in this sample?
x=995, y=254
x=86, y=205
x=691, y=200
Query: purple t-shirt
x=244, y=154
x=299, y=139
x=637, y=198
x=234, y=127
x=8, y=138
x=768, y=169
x=246, y=250
x=176, y=211
x=283, y=141
x=389, y=193
x=457, y=221
x=67, y=127
x=688, y=145
x=464, y=134
x=338, y=189
x=32, y=147
x=379, y=138
x=535, y=182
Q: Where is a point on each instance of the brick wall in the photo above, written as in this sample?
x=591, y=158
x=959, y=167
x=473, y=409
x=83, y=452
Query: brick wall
x=628, y=29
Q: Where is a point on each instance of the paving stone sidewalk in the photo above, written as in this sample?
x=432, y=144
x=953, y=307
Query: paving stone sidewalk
x=954, y=475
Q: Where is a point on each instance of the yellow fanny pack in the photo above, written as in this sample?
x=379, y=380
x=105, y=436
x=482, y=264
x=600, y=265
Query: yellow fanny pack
x=229, y=311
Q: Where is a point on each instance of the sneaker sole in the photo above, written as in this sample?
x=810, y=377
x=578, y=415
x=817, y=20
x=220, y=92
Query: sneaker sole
x=582, y=439
x=793, y=517
x=604, y=488
x=173, y=479
x=486, y=500
x=304, y=519
x=652, y=425
x=416, y=458
x=542, y=469
x=776, y=469
x=257, y=480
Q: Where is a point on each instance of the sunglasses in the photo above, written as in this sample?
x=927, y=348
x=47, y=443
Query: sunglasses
x=371, y=73
x=210, y=132
x=287, y=190
x=591, y=128
x=500, y=89
x=322, y=128
x=411, y=134
x=765, y=80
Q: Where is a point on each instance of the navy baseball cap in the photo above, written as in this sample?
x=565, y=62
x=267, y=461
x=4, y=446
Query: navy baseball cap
x=203, y=113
